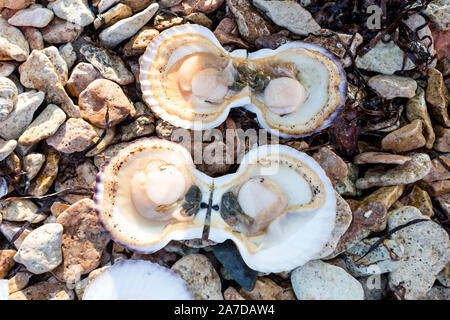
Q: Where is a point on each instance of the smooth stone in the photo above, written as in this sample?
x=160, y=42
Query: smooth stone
x=40, y=252
x=442, y=143
x=104, y=5
x=272, y=41
x=383, y=259
x=75, y=135
x=436, y=96
x=137, y=45
x=334, y=166
x=6, y=68
x=47, y=175
x=426, y=252
x=438, y=170
x=416, y=108
x=385, y=58
x=77, y=12
x=19, y=281
x=420, y=199
x=413, y=170
x=113, y=15
x=200, y=18
x=21, y=210
x=61, y=31
x=128, y=27
x=249, y=21
x=50, y=289
x=137, y=5
x=100, y=96
x=342, y=222
x=34, y=38
x=15, y=4
x=170, y=3
x=380, y=157
x=69, y=55
x=290, y=15
x=318, y=280
x=346, y=186
x=6, y=262
x=32, y=163
x=44, y=126
x=13, y=45
x=436, y=188
x=202, y=278
x=107, y=140
x=34, y=16
x=6, y=148
x=406, y=138
x=83, y=242
x=22, y=115
x=189, y=6
x=82, y=75
x=46, y=71
x=391, y=86
x=110, y=66
x=227, y=33
x=267, y=289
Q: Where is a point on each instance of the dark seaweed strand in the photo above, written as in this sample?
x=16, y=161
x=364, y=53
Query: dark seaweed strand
x=384, y=237
x=61, y=193
x=206, y=227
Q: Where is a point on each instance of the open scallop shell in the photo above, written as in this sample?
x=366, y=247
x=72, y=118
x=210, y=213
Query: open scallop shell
x=291, y=239
x=320, y=73
x=138, y=280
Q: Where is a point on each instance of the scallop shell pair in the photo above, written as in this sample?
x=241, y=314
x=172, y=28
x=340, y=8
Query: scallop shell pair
x=292, y=238
x=318, y=71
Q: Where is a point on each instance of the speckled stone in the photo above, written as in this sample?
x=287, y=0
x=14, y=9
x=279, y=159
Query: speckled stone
x=50, y=289
x=75, y=135
x=202, y=278
x=406, y=138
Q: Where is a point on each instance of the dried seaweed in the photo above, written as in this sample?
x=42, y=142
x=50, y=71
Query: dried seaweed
x=387, y=235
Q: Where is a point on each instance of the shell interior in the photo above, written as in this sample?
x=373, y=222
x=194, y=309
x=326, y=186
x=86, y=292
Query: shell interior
x=138, y=280
x=163, y=78
x=293, y=223
x=4, y=289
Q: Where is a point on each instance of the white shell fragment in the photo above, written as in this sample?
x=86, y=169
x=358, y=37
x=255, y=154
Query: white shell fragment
x=138, y=280
x=4, y=289
x=279, y=203
x=188, y=79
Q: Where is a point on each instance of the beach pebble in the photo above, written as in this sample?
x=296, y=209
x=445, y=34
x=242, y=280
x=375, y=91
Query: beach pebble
x=40, y=252
x=21, y=210
x=61, y=31
x=390, y=86
x=50, y=289
x=202, y=278
x=334, y=166
x=84, y=240
x=44, y=126
x=102, y=95
x=249, y=21
x=413, y=170
x=290, y=15
x=75, y=135
x=109, y=65
x=318, y=280
x=127, y=28
x=406, y=138
x=426, y=252
x=34, y=16
x=32, y=163
x=6, y=262
x=13, y=43
x=77, y=12
x=6, y=148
